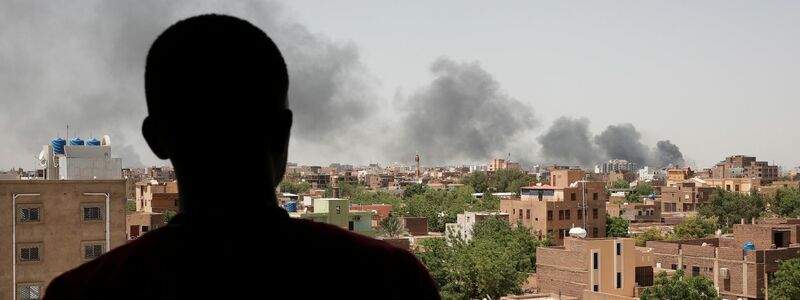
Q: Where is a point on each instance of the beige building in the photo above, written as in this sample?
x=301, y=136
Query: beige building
x=154, y=196
x=741, y=166
x=738, y=271
x=650, y=211
x=607, y=268
x=554, y=209
x=684, y=197
x=48, y=227
x=502, y=164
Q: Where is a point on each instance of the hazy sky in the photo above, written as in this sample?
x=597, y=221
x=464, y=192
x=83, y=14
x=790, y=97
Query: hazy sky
x=713, y=77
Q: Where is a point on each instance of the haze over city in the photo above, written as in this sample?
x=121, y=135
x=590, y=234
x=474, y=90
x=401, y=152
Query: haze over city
x=455, y=81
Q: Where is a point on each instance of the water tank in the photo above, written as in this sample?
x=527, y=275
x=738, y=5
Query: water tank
x=748, y=246
x=93, y=142
x=58, y=145
x=291, y=206
x=76, y=142
x=577, y=232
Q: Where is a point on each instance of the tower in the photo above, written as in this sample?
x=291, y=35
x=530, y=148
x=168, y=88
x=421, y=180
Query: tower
x=416, y=159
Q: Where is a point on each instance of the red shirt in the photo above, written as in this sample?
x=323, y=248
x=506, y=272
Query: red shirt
x=237, y=257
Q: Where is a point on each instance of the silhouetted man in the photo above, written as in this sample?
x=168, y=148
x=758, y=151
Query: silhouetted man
x=216, y=91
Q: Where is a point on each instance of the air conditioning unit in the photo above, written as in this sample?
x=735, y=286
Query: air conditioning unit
x=723, y=273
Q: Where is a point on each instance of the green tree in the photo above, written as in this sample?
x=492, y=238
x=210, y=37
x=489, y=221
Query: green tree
x=616, y=226
x=416, y=189
x=442, y=206
x=294, y=188
x=478, y=180
x=786, y=202
x=511, y=180
x=392, y=227
x=693, y=228
x=786, y=283
x=494, y=263
x=131, y=206
x=620, y=184
x=729, y=208
x=679, y=287
x=651, y=234
x=641, y=190
x=168, y=215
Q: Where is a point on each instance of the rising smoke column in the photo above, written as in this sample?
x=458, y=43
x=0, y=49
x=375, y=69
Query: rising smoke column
x=622, y=142
x=568, y=142
x=462, y=115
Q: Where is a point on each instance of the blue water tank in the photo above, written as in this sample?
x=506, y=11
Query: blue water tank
x=58, y=145
x=93, y=142
x=291, y=206
x=748, y=246
x=76, y=142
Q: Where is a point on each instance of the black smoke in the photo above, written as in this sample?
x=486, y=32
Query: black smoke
x=568, y=142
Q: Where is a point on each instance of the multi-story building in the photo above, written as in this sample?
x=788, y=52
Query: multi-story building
x=740, y=185
x=466, y=222
x=337, y=212
x=650, y=211
x=650, y=174
x=380, y=211
x=502, y=164
x=741, y=267
x=741, y=166
x=48, y=227
x=154, y=196
x=553, y=209
x=594, y=269
x=684, y=197
x=616, y=165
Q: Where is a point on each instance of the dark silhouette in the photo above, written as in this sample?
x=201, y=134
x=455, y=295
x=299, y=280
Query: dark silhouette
x=216, y=96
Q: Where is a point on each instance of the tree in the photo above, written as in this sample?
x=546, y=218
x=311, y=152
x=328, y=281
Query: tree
x=620, y=184
x=651, y=234
x=494, y=263
x=786, y=283
x=415, y=189
x=479, y=181
x=131, y=206
x=616, y=226
x=442, y=206
x=729, y=208
x=511, y=180
x=168, y=215
x=288, y=187
x=693, y=228
x=641, y=190
x=392, y=227
x=679, y=287
x=786, y=202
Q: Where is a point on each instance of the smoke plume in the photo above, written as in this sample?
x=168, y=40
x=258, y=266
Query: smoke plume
x=568, y=141
x=462, y=115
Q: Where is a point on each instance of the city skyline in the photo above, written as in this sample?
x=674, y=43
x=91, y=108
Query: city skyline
x=714, y=82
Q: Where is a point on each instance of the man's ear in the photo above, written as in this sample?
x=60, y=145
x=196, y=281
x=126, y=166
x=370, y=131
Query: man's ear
x=150, y=131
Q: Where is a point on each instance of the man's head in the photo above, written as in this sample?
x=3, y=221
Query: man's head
x=215, y=74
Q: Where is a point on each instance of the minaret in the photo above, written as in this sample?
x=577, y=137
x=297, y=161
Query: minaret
x=416, y=158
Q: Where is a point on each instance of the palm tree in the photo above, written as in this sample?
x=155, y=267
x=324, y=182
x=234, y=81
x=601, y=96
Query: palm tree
x=392, y=227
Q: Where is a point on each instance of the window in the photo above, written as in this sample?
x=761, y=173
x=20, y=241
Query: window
x=595, y=196
x=562, y=233
x=92, y=251
x=695, y=271
x=549, y=215
x=594, y=213
x=736, y=187
x=566, y=214
x=338, y=209
x=580, y=214
x=514, y=211
x=29, y=253
x=527, y=213
x=92, y=213
x=619, y=249
x=619, y=280
x=572, y=197
x=595, y=232
x=673, y=266
x=29, y=292
x=596, y=288
x=145, y=228
x=560, y=214
x=595, y=260
x=29, y=214
x=520, y=213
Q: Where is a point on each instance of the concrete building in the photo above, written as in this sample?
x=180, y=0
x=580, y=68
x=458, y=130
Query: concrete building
x=335, y=211
x=649, y=174
x=379, y=212
x=554, y=209
x=141, y=222
x=650, y=211
x=154, y=196
x=676, y=176
x=737, y=271
x=741, y=185
x=684, y=197
x=616, y=165
x=48, y=227
x=770, y=190
x=502, y=164
x=741, y=166
x=607, y=269
x=415, y=225
x=80, y=160
x=466, y=222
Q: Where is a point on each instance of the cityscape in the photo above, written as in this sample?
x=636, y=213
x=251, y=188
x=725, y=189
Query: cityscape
x=514, y=150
